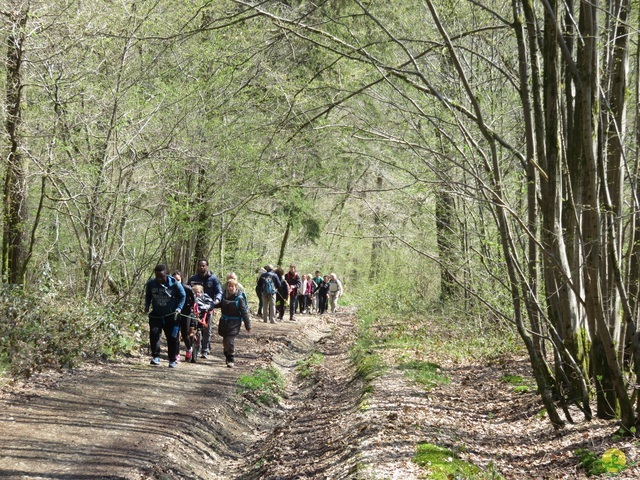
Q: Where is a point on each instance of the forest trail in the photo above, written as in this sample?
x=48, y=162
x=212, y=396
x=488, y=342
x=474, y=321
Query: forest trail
x=127, y=420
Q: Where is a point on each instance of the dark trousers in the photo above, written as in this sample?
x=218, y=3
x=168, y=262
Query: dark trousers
x=206, y=337
x=229, y=347
x=280, y=304
x=259, y=294
x=186, y=322
x=170, y=326
x=293, y=303
x=322, y=303
x=302, y=302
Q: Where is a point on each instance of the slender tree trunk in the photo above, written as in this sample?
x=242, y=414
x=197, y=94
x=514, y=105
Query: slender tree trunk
x=376, y=244
x=283, y=244
x=15, y=188
x=587, y=111
x=445, y=238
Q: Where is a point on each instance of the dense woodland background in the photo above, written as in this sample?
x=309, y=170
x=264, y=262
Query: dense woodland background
x=478, y=158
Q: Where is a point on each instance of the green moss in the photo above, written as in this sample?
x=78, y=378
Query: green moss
x=442, y=464
x=520, y=384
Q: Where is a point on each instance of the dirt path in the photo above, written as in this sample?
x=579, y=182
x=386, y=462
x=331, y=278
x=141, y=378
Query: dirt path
x=133, y=421
x=130, y=421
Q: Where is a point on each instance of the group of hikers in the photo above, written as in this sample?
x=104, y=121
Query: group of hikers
x=276, y=289
x=185, y=311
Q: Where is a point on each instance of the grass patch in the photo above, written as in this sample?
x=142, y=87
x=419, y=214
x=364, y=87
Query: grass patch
x=266, y=385
x=519, y=384
x=308, y=366
x=364, y=356
x=442, y=464
x=426, y=374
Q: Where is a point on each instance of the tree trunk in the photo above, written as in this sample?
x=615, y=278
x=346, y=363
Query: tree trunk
x=445, y=238
x=15, y=188
x=283, y=244
x=376, y=244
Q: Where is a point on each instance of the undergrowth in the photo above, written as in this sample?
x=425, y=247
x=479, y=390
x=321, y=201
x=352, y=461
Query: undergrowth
x=46, y=331
x=426, y=374
x=411, y=330
x=394, y=333
x=611, y=462
x=308, y=366
x=265, y=385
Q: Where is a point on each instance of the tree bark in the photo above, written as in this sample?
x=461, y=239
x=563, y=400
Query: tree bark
x=15, y=188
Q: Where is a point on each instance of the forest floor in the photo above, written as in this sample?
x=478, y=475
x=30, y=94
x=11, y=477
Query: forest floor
x=129, y=420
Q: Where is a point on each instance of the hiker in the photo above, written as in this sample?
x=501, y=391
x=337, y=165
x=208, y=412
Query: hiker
x=229, y=276
x=335, y=291
x=185, y=316
x=310, y=291
x=269, y=284
x=212, y=287
x=234, y=311
x=322, y=294
x=302, y=294
x=258, y=291
x=294, y=281
x=317, y=280
x=282, y=295
x=202, y=314
x=166, y=298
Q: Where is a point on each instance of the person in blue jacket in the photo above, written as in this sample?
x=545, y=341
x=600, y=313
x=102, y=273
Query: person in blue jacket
x=234, y=311
x=166, y=297
x=212, y=287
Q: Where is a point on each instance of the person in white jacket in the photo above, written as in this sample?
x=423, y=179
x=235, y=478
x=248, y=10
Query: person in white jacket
x=335, y=291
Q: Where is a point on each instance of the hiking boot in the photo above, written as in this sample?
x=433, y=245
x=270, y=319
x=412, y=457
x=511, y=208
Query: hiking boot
x=155, y=361
x=173, y=364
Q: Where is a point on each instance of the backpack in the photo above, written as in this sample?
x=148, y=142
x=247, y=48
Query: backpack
x=241, y=297
x=268, y=287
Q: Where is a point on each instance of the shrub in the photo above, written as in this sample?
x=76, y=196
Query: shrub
x=46, y=331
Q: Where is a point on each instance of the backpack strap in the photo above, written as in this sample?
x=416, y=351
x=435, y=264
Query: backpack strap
x=242, y=297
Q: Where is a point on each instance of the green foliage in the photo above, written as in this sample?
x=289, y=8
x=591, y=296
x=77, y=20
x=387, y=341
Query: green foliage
x=590, y=462
x=443, y=464
x=416, y=327
x=266, y=385
x=308, y=366
x=367, y=361
x=512, y=379
x=46, y=331
x=613, y=461
x=426, y=374
x=520, y=384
